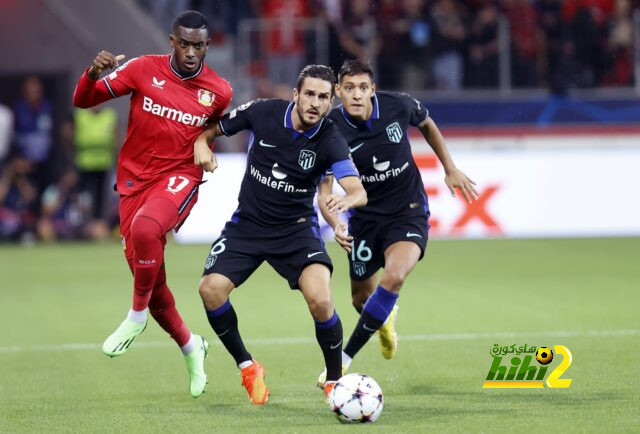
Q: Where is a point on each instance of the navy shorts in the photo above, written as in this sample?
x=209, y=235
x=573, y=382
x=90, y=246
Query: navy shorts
x=242, y=247
x=371, y=237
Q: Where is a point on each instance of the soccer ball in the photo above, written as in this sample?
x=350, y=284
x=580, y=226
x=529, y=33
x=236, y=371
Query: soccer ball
x=544, y=355
x=356, y=398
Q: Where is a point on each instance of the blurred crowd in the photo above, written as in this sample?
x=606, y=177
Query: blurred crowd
x=437, y=44
x=55, y=174
x=56, y=171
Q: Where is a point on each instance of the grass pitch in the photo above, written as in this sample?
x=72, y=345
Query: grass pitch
x=58, y=303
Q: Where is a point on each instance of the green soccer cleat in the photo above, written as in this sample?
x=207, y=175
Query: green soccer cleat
x=119, y=342
x=195, y=365
x=388, y=335
x=322, y=378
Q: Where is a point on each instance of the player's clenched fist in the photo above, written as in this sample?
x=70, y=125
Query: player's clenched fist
x=204, y=157
x=104, y=60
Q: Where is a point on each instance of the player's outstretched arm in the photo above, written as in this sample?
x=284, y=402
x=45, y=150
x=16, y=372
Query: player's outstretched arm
x=454, y=177
x=89, y=91
x=202, y=154
x=325, y=196
x=355, y=198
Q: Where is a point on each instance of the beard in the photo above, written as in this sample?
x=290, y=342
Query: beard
x=306, y=124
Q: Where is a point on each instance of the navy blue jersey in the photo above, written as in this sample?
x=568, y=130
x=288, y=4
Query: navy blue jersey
x=382, y=154
x=283, y=165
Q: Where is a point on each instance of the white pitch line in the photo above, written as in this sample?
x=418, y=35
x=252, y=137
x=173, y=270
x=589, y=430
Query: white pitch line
x=303, y=340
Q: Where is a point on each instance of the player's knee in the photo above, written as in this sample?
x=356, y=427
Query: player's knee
x=321, y=308
x=213, y=289
x=144, y=231
x=393, y=278
x=206, y=288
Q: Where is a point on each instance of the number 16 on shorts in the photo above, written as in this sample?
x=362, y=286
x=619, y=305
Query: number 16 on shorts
x=216, y=249
x=359, y=255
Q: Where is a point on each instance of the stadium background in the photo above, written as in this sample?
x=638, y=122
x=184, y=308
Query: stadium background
x=540, y=104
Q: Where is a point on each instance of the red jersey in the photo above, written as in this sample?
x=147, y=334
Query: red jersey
x=166, y=115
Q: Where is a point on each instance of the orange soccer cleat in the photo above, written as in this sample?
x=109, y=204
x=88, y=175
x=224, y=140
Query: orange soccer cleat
x=253, y=381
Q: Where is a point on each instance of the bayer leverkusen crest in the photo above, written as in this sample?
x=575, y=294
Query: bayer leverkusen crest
x=206, y=97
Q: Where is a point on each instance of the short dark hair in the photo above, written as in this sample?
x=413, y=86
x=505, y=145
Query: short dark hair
x=354, y=67
x=317, y=71
x=191, y=20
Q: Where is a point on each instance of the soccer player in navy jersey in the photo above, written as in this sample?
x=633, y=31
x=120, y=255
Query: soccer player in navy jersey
x=172, y=98
x=391, y=231
x=292, y=146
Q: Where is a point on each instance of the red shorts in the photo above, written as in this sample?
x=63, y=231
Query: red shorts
x=182, y=190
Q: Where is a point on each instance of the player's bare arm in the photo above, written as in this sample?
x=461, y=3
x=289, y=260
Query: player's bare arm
x=203, y=156
x=356, y=196
x=454, y=177
x=325, y=195
x=104, y=60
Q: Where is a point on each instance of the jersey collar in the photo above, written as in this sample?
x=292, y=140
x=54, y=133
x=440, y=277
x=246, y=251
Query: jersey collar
x=375, y=114
x=288, y=123
x=195, y=74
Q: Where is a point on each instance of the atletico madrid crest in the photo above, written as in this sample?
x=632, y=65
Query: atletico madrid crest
x=306, y=159
x=359, y=268
x=206, y=97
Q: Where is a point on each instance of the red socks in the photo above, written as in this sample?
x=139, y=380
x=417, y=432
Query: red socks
x=148, y=228
x=162, y=307
x=148, y=256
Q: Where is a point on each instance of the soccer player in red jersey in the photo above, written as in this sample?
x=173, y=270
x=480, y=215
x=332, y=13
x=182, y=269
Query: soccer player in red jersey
x=172, y=98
